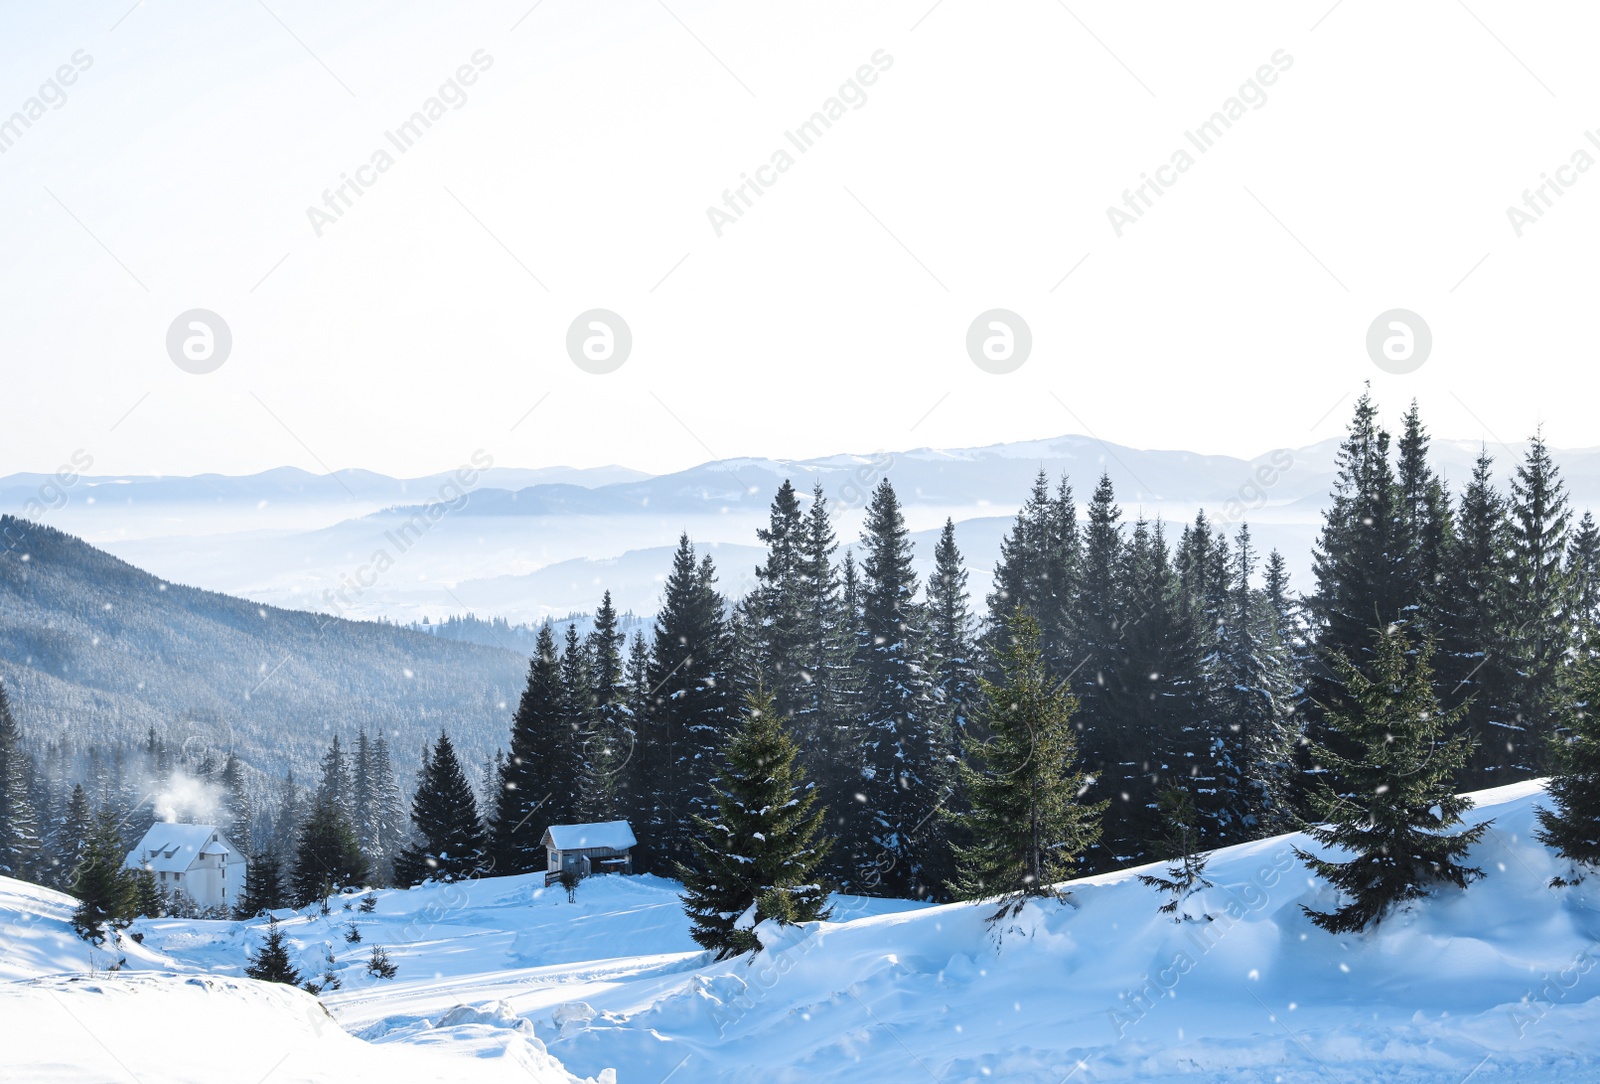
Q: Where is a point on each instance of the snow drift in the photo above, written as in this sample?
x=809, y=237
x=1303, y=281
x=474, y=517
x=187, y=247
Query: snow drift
x=503, y=976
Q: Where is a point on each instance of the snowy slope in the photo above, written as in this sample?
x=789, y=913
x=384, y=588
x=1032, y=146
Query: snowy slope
x=1495, y=981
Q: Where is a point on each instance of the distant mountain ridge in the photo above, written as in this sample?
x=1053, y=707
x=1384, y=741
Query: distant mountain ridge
x=525, y=545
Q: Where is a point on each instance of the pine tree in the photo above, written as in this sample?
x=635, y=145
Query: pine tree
x=1028, y=823
x=1539, y=596
x=1157, y=721
x=1390, y=804
x=1357, y=559
x=19, y=822
x=1275, y=770
x=536, y=788
x=1186, y=861
x=72, y=837
x=609, y=741
x=950, y=631
x=270, y=962
x=1039, y=570
x=450, y=843
x=1473, y=660
x=238, y=817
x=106, y=894
x=1583, y=575
x=1257, y=728
x=263, y=885
x=1572, y=827
x=757, y=855
x=291, y=810
x=148, y=901
x=775, y=610
x=364, y=813
x=328, y=856
x=1424, y=529
x=689, y=712
x=379, y=966
x=907, y=742
x=822, y=721
x=1096, y=677
x=390, y=821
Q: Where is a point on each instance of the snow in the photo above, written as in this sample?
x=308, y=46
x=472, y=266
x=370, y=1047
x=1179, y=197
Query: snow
x=1497, y=981
x=612, y=835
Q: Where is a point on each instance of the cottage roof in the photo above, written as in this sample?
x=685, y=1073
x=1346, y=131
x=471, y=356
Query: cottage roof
x=611, y=835
x=173, y=848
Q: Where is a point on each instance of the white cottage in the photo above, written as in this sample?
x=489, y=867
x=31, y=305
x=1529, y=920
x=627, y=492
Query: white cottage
x=604, y=847
x=194, y=858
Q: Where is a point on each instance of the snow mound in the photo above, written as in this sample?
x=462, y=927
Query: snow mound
x=36, y=938
x=176, y=1028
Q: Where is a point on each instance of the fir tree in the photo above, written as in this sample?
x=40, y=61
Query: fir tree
x=106, y=894
x=1155, y=719
x=237, y=817
x=1539, y=596
x=609, y=740
x=263, y=885
x=1583, y=575
x=907, y=742
x=19, y=822
x=1039, y=570
x=72, y=837
x=450, y=843
x=1424, y=529
x=536, y=786
x=286, y=820
x=1028, y=823
x=270, y=962
x=950, y=630
x=689, y=707
x=328, y=855
x=775, y=610
x=1098, y=611
x=1572, y=826
x=379, y=966
x=1390, y=805
x=823, y=723
x=1255, y=709
x=388, y=817
x=1186, y=861
x=148, y=900
x=1473, y=660
x=1357, y=561
x=757, y=855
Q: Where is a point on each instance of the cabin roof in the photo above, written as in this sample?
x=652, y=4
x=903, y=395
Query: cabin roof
x=173, y=848
x=608, y=835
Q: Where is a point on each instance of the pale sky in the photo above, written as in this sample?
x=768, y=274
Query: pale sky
x=974, y=173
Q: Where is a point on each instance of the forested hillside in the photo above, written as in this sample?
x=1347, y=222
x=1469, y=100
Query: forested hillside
x=95, y=650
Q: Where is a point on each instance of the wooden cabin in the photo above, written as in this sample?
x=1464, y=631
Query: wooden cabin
x=585, y=849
